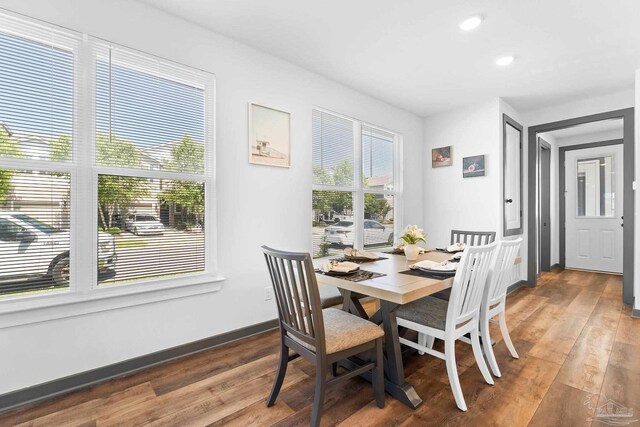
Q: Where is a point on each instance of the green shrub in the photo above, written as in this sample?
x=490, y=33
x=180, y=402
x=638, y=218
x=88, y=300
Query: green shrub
x=114, y=231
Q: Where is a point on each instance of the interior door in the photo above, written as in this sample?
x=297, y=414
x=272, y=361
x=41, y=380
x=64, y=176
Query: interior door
x=594, y=202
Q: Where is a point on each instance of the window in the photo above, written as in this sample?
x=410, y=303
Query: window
x=94, y=136
x=151, y=116
x=354, y=185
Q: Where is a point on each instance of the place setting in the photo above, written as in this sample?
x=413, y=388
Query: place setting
x=358, y=256
x=433, y=269
x=453, y=248
x=347, y=270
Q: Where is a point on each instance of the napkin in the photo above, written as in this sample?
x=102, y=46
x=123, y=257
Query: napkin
x=456, y=247
x=341, y=267
x=354, y=253
x=436, y=266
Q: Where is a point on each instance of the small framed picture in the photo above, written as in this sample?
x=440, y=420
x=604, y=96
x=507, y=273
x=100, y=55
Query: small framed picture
x=441, y=156
x=269, y=136
x=473, y=166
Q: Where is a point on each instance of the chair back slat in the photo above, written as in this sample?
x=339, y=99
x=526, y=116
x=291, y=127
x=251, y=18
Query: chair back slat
x=500, y=272
x=297, y=295
x=473, y=238
x=469, y=283
x=306, y=301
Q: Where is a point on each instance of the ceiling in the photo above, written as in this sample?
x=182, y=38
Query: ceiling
x=412, y=54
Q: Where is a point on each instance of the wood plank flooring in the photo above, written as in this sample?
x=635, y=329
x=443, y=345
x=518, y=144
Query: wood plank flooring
x=578, y=348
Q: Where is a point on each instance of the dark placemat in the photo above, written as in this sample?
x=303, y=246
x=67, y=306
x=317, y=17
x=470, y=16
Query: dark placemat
x=401, y=252
x=394, y=252
x=357, y=261
x=446, y=251
x=357, y=276
x=425, y=274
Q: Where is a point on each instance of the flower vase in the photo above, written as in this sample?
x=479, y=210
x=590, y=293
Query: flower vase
x=411, y=251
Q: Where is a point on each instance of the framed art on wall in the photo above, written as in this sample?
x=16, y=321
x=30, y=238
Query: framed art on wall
x=473, y=166
x=441, y=156
x=269, y=136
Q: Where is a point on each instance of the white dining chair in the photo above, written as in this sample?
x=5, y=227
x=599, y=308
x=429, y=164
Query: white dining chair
x=449, y=321
x=494, y=300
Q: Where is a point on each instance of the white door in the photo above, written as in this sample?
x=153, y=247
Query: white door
x=593, y=206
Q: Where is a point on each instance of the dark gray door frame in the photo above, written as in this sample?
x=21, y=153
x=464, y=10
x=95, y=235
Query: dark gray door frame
x=562, y=187
x=544, y=252
x=626, y=115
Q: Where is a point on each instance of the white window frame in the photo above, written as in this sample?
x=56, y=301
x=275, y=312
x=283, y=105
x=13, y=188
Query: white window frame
x=84, y=295
x=358, y=189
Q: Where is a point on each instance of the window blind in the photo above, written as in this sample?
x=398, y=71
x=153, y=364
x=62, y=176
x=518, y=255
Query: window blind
x=37, y=89
x=142, y=173
x=350, y=212
x=151, y=115
x=333, y=161
x=377, y=158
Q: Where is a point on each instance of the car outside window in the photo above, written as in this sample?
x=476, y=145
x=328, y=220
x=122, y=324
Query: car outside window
x=9, y=231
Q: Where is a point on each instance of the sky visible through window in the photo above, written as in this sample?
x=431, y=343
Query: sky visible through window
x=36, y=95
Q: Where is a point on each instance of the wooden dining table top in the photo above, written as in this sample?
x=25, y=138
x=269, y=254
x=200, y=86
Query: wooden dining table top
x=394, y=286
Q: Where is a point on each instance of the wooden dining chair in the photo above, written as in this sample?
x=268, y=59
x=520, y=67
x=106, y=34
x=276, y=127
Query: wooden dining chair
x=451, y=320
x=494, y=299
x=473, y=238
x=322, y=336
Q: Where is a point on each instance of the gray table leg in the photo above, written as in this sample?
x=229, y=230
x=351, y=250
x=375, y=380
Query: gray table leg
x=394, y=367
x=394, y=382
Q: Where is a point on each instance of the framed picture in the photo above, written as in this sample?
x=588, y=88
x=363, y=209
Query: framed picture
x=269, y=136
x=441, y=156
x=473, y=166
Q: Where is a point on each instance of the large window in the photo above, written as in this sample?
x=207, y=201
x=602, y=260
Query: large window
x=94, y=136
x=355, y=194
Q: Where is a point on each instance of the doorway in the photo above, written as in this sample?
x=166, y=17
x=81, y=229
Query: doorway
x=544, y=202
x=535, y=218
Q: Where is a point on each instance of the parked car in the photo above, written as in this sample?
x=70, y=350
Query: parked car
x=30, y=248
x=144, y=224
x=341, y=233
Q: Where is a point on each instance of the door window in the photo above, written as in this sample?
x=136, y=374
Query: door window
x=594, y=191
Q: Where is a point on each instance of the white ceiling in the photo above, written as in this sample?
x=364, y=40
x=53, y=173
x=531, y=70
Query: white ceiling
x=412, y=54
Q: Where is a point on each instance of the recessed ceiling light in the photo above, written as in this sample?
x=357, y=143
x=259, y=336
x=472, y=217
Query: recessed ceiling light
x=503, y=61
x=471, y=23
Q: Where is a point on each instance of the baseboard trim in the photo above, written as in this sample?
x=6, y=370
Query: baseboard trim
x=635, y=313
x=517, y=285
x=83, y=379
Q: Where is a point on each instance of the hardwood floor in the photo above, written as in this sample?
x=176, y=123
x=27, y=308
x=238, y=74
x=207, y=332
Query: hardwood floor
x=578, y=347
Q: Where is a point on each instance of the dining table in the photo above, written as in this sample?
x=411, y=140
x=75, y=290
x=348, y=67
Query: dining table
x=396, y=285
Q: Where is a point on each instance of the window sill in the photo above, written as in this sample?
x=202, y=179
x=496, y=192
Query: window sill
x=44, y=308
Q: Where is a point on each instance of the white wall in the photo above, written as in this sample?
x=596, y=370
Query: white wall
x=580, y=107
x=451, y=201
x=256, y=205
x=471, y=203
x=592, y=137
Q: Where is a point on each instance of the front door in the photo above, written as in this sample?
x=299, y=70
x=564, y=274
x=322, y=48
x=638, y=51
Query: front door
x=594, y=201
